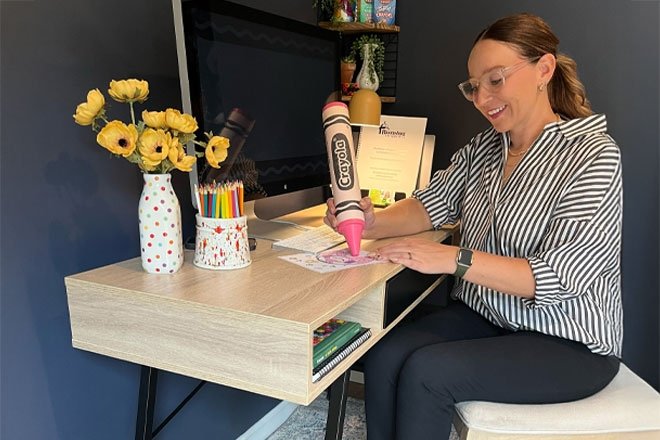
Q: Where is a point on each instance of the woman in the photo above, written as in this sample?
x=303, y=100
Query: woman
x=537, y=316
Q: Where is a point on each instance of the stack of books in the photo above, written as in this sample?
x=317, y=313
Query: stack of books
x=333, y=341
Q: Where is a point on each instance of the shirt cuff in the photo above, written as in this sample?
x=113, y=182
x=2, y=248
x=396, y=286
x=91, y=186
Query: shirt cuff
x=549, y=288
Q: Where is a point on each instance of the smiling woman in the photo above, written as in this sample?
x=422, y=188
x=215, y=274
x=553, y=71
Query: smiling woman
x=519, y=105
x=532, y=39
x=538, y=296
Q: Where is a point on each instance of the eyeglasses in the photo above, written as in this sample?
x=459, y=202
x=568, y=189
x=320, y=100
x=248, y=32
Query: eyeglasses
x=491, y=81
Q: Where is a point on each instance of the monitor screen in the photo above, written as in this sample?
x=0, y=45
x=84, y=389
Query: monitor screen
x=261, y=80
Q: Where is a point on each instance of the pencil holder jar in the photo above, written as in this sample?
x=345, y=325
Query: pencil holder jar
x=221, y=243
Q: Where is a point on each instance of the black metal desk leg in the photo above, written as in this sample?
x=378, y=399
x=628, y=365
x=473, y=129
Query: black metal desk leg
x=334, y=427
x=146, y=402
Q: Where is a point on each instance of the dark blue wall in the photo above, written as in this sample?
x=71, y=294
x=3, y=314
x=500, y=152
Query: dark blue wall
x=616, y=46
x=67, y=206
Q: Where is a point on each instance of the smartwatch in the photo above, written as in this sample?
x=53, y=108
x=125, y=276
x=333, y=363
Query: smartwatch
x=463, y=262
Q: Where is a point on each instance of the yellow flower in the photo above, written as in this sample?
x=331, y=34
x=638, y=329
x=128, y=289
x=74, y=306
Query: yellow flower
x=129, y=90
x=177, y=156
x=216, y=150
x=156, y=143
x=118, y=138
x=181, y=122
x=87, y=111
x=154, y=146
x=154, y=119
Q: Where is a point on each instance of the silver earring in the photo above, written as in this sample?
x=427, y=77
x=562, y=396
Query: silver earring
x=541, y=87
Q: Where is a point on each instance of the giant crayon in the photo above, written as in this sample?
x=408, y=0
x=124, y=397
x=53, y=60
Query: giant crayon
x=345, y=186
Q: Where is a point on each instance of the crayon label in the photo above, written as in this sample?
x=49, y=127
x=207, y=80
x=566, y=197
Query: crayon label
x=342, y=162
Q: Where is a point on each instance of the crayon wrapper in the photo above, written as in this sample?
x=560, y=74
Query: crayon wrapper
x=341, y=158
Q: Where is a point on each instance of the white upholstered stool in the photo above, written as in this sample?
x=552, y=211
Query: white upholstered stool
x=626, y=409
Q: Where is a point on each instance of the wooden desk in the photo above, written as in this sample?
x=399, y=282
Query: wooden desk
x=248, y=328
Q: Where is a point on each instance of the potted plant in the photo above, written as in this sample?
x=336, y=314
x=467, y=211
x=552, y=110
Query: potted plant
x=371, y=50
x=348, y=66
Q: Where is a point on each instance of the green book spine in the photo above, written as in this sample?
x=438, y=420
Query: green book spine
x=328, y=330
x=335, y=341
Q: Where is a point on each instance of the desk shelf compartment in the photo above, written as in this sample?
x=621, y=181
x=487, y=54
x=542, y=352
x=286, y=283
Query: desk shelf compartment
x=368, y=311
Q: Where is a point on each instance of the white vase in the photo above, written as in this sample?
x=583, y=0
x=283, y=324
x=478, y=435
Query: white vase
x=364, y=78
x=159, y=214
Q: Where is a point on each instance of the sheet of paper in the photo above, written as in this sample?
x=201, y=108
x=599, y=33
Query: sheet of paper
x=330, y=261
x=388, y=156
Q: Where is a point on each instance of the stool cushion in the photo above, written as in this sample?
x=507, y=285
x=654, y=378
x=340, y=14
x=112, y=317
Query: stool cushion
x=627, y=404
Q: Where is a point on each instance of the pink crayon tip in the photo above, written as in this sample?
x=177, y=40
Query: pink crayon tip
x=351, y=229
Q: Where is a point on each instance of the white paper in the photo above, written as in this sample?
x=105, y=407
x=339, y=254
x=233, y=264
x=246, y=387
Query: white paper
x=341, y=260
x=388, y=156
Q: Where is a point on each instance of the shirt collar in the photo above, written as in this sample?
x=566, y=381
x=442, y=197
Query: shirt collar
x=570, y=129
x=573, y=128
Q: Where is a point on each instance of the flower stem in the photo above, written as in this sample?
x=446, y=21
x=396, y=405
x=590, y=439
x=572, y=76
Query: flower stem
x=130, y=104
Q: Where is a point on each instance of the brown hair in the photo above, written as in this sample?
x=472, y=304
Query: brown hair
x=533, y=38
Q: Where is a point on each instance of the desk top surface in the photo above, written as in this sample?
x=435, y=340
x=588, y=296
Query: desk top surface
x=270, y=286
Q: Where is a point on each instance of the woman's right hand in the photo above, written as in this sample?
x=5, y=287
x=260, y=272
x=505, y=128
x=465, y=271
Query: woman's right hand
x=365, y=204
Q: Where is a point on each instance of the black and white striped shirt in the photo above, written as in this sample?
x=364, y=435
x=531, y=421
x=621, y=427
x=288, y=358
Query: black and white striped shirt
x=561, y=210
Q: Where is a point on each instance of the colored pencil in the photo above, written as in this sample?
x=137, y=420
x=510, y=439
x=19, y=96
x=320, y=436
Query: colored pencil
x=220, y=200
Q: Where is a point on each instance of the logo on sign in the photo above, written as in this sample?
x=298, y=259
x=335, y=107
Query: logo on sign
x=385, y=130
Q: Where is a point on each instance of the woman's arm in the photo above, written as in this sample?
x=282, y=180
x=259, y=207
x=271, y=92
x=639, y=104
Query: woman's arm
x=406, y=217
x=504, y=274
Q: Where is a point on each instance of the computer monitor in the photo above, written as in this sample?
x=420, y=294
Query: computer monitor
x=263, y=79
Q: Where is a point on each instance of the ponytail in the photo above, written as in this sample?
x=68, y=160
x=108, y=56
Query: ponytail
x=566, y=92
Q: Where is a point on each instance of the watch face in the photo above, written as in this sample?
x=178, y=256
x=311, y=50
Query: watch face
x=465, y=257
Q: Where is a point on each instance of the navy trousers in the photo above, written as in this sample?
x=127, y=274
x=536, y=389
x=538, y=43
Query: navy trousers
x=416, y=373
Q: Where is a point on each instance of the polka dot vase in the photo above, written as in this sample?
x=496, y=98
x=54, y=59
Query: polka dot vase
x=160, y=225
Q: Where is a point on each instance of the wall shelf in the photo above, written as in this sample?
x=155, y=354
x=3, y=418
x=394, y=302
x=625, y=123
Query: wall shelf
x=383, y=99
x=361, y=28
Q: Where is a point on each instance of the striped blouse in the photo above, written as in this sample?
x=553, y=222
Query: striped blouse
x=561, y=210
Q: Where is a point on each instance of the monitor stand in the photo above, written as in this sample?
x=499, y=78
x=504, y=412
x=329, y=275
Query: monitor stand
x=269, y=229
x=262, y=214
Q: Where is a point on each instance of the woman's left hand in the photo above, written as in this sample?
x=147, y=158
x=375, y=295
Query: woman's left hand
x=422, y=255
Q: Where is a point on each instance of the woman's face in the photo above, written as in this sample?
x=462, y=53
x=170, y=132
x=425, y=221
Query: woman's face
x=511, y=104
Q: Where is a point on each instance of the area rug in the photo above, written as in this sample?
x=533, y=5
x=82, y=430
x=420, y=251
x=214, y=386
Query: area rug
x=308, y=422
